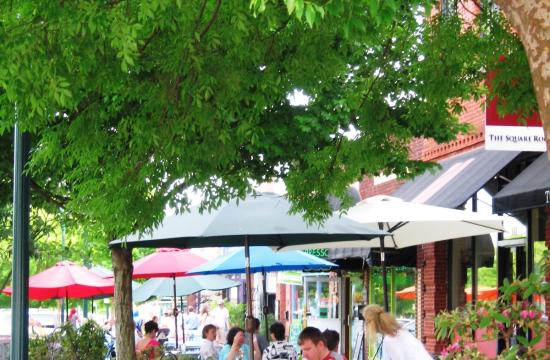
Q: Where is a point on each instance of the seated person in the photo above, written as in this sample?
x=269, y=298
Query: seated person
x=278, y=348
x=236, y=349
x=209, y=348
x=253, y=326
x=163, y=335
x=333, y=340
x=149, y=344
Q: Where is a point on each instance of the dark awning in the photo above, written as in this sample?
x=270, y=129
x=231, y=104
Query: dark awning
x=458, y=179
x=357, y=259
x=530, y=189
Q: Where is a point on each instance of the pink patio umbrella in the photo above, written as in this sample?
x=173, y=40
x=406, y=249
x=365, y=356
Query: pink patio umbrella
x=167, y=263
x=66, y=280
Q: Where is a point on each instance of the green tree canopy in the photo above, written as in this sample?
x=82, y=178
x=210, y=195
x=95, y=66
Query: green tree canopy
x=131, y=102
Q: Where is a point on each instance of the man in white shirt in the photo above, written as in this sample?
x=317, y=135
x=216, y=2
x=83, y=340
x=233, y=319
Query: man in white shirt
x=220, y=316
x=191, y=319
x=209, y=349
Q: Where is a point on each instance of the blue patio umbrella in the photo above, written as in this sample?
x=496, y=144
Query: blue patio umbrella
x=263, y=259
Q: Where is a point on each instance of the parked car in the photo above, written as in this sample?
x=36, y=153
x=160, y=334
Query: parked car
x=41, y=321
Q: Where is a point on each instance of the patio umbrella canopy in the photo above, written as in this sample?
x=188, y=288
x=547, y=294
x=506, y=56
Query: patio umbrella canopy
x=66, y=280
x=159, y=287
x=259, y=219
x=263, y=259
x=484, y=293
x=412, y=224
x=264, y=218
x=166, y=262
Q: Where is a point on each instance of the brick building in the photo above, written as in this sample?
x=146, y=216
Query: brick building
x=466, y=168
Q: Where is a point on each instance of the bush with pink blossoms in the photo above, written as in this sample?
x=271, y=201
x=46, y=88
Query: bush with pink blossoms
x=511, y=317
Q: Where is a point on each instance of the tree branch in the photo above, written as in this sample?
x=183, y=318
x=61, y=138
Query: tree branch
x=199, y=16
x=338, y=146
x=148, y=40
x=212, y=18
x=56, y=200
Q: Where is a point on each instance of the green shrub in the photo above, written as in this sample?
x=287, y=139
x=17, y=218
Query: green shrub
x=69, y=343
x=237, y=313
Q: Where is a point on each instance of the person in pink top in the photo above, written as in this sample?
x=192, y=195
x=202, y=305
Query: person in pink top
x=149, y=344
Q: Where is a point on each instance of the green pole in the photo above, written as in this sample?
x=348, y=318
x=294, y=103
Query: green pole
x=20, y=252
x=64, y=304
x=88, y=265
x=393, y=305
x=371, y=300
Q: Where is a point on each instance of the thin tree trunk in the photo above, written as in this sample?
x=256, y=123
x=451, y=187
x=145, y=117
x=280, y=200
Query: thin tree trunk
x=531, y=19
x=122, y=267
x=6, y=280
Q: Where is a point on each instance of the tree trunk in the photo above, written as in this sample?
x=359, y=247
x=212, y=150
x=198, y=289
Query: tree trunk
x=531, y=19
x=122, y=267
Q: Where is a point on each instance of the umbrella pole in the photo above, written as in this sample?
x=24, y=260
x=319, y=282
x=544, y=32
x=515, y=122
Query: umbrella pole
x=175, y=312
x=383, y=268
x=67, y=306
x=182, y=322
x=265, y=308
x=248, y=295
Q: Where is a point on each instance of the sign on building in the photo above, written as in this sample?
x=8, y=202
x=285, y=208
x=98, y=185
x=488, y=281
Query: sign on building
x=508, y=133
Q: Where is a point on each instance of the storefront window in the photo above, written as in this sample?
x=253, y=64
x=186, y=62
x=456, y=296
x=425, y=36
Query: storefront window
x=322, y=297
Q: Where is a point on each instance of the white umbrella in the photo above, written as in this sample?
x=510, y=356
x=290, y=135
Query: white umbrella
x=411, y=224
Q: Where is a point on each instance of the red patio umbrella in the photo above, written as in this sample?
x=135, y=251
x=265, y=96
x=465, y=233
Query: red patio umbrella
x=408, y=293
x=483, y=293
x=167, y=262
x=66, y=280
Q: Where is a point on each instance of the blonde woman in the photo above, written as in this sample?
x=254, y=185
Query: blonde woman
x=396, y=343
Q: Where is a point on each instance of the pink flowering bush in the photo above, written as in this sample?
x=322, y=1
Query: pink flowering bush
x=511, y=317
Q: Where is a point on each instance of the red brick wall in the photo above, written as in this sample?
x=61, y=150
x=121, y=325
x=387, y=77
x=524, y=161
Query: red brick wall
x=424, y=149
x=432, y=260
x=475, y=116
x=368, y=189
x=283, y=296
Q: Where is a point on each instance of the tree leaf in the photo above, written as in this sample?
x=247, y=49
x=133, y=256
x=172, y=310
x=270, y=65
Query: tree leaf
x=310, y=15
x=299, y=7
x=290, y=6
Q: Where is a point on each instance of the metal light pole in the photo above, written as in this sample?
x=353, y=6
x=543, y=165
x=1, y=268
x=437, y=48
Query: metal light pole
x=64, y=302
x=20, y=252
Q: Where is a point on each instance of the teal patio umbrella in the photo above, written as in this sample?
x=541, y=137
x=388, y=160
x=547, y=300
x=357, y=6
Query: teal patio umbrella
x=160, y=287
